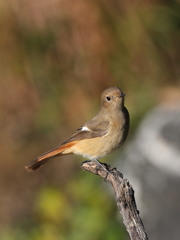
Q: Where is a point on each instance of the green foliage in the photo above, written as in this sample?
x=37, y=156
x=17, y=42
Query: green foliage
x=84, y=209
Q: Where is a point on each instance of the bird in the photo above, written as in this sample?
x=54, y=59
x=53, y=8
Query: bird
x=100, y=136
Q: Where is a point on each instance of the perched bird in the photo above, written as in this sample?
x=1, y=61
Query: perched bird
x=105, y=133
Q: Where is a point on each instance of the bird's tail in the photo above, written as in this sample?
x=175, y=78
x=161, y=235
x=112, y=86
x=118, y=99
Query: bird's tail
x=38, y=162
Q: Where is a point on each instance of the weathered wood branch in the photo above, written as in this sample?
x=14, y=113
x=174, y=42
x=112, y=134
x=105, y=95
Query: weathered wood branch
x=124, y=195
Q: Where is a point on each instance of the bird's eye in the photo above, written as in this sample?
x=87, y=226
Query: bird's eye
x=108, y=98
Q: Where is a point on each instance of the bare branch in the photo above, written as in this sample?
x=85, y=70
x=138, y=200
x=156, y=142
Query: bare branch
x=124, y=195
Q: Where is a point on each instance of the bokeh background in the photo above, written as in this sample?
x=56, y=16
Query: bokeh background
x=56, y=57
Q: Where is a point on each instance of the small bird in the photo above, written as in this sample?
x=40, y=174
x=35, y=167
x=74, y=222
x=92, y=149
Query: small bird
x=105, y=133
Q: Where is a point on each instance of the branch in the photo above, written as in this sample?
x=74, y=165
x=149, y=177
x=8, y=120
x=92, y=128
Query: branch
x=124, y=195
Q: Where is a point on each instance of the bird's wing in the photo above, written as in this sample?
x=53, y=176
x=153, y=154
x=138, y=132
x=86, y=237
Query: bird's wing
x=90, y=131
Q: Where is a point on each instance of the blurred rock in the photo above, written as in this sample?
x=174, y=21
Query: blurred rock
x=151, y=162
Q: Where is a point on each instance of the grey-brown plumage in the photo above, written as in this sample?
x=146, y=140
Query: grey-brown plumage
x=102, y=135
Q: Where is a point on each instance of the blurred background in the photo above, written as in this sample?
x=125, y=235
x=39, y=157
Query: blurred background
x=56, y=57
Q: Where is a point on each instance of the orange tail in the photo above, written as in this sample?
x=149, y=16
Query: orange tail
x=38, y=162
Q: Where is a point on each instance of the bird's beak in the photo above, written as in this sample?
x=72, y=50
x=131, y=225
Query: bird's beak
x=122, y=95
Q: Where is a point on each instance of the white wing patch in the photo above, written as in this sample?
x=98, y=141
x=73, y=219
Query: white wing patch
x=84, y=128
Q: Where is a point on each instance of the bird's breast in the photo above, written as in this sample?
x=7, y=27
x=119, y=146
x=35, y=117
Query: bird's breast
x=95, y=148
